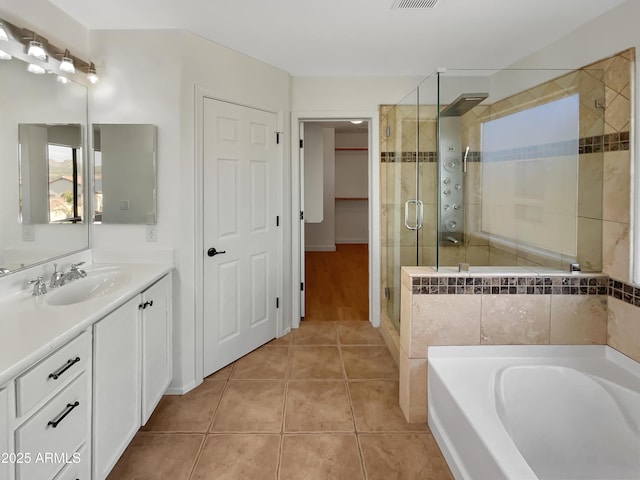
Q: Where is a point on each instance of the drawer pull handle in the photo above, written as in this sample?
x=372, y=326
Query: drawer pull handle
x=64, y=368
x=144, y=305
x=70, y=406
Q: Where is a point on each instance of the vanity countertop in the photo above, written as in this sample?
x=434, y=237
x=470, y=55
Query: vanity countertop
x=30, y=327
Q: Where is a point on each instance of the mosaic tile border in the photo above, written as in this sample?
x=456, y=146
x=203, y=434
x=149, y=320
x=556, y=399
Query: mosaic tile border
x=510, y=285
x=624, y=291
x=408, y=157
x=610, y=142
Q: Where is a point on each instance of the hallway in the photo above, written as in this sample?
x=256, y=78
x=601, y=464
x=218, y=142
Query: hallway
x=337, y=284
x=320, y=403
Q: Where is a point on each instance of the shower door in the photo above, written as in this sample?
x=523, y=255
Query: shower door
x=408, y=183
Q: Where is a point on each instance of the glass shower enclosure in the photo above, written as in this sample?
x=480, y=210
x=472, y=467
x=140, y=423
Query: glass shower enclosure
x=492, y=169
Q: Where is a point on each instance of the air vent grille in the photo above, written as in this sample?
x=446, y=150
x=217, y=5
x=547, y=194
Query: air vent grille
x=413, y=4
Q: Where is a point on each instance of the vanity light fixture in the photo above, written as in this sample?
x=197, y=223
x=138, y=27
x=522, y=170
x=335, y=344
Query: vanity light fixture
x=3, y=33
x=66, y=64
x=36, y=50
x=92, y=75
x=39, y=47
x=37, y=69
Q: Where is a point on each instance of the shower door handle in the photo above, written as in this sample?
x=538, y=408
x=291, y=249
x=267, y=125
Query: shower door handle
x=418, y=222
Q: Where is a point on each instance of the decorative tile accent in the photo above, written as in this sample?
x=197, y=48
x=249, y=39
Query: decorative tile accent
x=510, y=285
x=610, y=142
x=408, y=157
x=624, y=291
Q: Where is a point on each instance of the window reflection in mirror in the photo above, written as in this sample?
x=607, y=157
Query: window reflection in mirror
x=50, y=173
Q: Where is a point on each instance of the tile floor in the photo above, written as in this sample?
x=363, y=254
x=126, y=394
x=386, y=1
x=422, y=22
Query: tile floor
x=320, y=403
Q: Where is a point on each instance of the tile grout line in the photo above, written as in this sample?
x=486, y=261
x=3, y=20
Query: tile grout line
x=197, y=458
x=287, y=377
x=222, y=394
x=280, y=451
x=363, y=468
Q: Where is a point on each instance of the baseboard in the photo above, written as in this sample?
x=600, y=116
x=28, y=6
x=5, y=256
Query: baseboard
x=181, y=390
x=320, y=248
x=352, y=241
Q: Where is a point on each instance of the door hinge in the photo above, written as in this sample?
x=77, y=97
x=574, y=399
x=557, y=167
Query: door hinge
x=302, y=286
x=278, y=138
x=301, y=215
x=277, y=302
x=301, y=143
x=277, y=220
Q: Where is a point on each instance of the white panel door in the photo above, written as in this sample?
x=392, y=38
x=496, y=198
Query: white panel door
x=240, y=237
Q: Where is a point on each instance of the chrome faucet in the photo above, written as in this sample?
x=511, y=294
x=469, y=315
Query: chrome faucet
x=56, y=276
x=39, y=286
x=74, y=274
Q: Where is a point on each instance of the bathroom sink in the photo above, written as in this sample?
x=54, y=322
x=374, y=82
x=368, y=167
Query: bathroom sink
x=95, y=284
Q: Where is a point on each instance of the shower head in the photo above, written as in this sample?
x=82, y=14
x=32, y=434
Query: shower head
x=463, y=104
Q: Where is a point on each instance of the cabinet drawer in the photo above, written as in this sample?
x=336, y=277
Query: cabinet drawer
x=79, y=467
x=49, y=446
x=52, y=372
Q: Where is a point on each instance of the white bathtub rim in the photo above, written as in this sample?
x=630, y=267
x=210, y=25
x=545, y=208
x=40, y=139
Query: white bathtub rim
x=486, y=421
x=614, y=417
x=513, y=463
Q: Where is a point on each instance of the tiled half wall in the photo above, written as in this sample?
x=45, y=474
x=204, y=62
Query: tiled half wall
x=508, y=309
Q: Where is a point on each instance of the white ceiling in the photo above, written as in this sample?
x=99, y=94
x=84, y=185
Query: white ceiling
x=356, y=37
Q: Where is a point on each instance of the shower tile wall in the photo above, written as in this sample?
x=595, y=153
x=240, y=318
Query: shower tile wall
x=603, y=189
x=604, y=225
x=492, y=309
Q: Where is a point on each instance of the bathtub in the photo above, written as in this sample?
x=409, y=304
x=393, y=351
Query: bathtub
x=535, y=412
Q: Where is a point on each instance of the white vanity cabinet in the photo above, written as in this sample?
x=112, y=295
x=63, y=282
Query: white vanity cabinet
x=116, y=385
x=132, y=370
x=156, y=344
x=5, y=449
x=51, y=419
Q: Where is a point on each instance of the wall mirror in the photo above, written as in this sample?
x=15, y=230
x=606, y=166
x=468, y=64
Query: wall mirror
x=42, y=165
x=125, y=173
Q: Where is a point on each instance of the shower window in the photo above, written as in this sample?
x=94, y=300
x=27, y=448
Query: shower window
x=529, y=177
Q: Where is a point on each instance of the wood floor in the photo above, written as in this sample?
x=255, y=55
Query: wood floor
x=337, y=284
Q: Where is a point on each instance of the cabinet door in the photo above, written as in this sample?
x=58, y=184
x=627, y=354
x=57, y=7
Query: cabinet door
x=4, y=433
x=116, y=385
x=156, y=344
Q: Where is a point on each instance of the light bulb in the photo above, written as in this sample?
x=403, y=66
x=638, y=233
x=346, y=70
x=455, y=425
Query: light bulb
x=63, y=80
x=36, y=50
x=92, y=76
x=37, y=69
x=66, y=64
x=4, y=55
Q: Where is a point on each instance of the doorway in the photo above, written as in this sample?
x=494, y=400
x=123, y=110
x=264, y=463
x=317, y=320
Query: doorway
x=334, y=264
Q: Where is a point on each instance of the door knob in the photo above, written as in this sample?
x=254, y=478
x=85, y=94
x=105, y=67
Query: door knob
x=212, y=252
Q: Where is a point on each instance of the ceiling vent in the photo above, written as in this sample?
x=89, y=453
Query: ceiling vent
x=413, y=4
